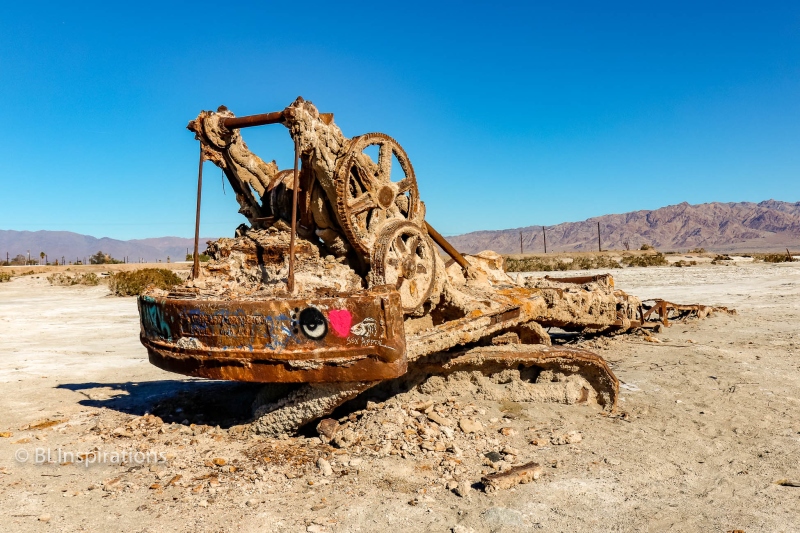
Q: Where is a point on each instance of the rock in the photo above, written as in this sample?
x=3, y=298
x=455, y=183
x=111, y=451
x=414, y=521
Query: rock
x=573, y=437
x=252, y=502
x=501, y=516
x=439, y=419
x=324, y=467
x=461, y=529
x=203, y=503
x=508, y=432
x=451, y=485
x=356, y=461
x=219, y=461
x=493, y=456
x=539, y=441
x=462, y=490
x=448, y=431
x=421, y=406
x=327, y=428
x=508, y=450
x=316, y=528
x=121, y=432
x=469, y=425
x=345, y=438
x=44, y=518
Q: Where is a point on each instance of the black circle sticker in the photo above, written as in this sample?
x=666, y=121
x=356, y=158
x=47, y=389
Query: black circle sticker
x=313, y=324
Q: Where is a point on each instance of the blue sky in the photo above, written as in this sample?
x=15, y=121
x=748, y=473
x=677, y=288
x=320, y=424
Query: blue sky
x=512, y=114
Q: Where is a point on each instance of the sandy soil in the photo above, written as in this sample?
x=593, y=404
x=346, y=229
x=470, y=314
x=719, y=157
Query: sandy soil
x=709, y=420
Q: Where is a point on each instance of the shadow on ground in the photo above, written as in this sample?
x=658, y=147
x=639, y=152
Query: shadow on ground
x=214, y=403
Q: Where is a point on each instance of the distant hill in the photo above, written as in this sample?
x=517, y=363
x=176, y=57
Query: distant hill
x=723, y=227
x=58, y=244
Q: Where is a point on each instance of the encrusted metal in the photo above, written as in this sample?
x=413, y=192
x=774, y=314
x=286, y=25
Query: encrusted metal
x=336, y=284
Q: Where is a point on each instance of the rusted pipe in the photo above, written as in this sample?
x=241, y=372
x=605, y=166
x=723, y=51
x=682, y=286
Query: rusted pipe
x=196, y=257
x=296, y=185
x=447, y=247
x=253, y=120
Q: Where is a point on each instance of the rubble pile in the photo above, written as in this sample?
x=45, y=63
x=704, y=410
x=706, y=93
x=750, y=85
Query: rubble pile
x=254, y=265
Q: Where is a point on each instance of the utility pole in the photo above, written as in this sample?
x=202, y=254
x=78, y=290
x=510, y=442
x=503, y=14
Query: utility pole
x=520, y=242
x=544, y=234
x=599, y=247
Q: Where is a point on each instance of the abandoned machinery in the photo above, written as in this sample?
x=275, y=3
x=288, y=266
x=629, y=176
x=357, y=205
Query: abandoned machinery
x=336, y=284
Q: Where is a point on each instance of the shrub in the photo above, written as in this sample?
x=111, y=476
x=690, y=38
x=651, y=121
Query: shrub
x=656, y=259
x=90, y=278
x=203, y=257
x=646, y=247
x=547, y=264
x=774, y=258
x=697, y=251
x=682, y=263
x=594, y=262
x=6, y=276
x=136, y=282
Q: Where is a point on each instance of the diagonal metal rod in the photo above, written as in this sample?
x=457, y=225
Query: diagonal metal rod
x=196, y=265
x=295, y=186
x=447, y=247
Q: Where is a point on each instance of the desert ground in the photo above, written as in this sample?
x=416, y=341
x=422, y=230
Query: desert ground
x=708, y=424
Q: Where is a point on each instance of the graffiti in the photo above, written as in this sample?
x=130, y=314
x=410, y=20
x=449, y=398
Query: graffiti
x=312, y=323
x=153, y=319
x=366, y=328
x=340, y=320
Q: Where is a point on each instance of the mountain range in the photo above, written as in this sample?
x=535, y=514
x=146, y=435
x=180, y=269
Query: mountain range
x=770, y=225
x=74, y=246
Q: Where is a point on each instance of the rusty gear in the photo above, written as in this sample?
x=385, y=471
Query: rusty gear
x=366, y=195
x=403, y=258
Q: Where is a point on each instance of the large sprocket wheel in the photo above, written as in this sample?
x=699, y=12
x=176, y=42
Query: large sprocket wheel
x=403, y=258
x=366, y=195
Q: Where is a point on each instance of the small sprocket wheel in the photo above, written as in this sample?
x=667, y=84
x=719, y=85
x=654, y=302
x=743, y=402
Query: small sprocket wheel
x=366, y=195
x=403, y=258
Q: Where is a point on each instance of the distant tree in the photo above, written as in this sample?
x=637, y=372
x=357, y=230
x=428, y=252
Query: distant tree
x=41, y=254
x=98, y=259
x=102, y=258
x=627, y=244
x=19, y=260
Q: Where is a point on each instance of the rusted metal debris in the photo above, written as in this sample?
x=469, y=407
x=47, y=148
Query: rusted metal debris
x=515, y=476
x=666, y=310
x=336, y=283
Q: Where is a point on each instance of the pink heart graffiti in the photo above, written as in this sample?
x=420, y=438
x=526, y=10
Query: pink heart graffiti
x=340, y=321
